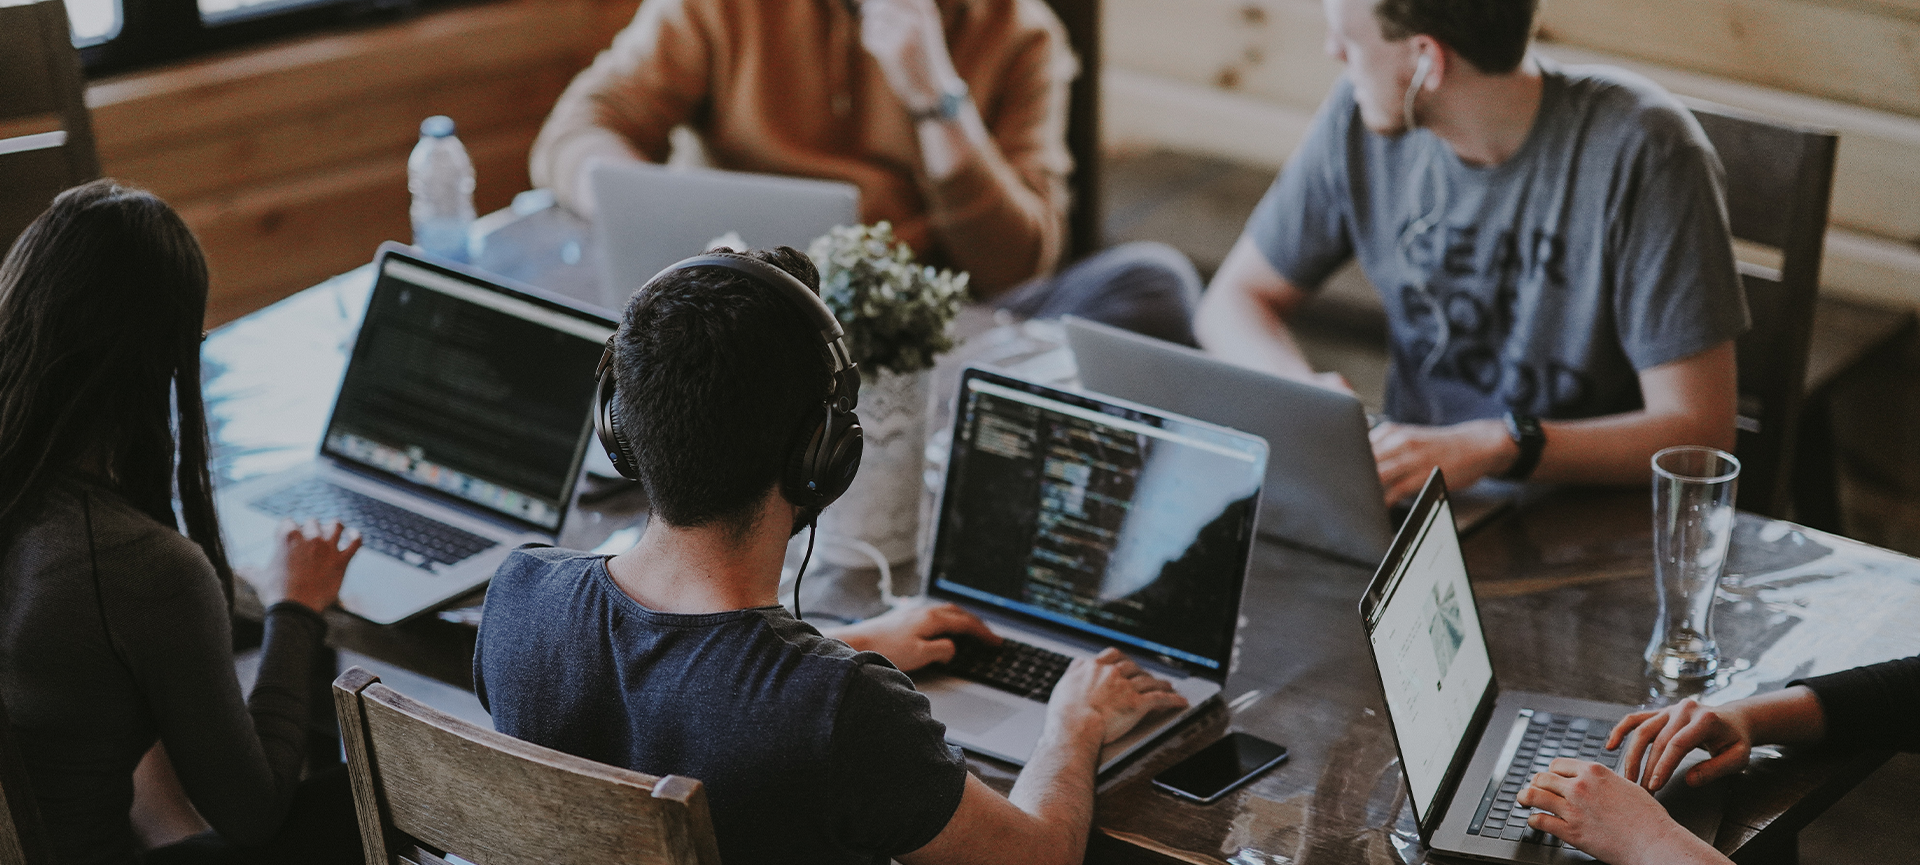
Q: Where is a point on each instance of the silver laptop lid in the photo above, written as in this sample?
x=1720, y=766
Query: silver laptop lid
x=1322, y=488
x=1101, y=518
x=1423, y=630
x=467, y=389
x=650, y=216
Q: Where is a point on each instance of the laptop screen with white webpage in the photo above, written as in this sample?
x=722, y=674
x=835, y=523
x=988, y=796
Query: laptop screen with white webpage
x=1432, y=656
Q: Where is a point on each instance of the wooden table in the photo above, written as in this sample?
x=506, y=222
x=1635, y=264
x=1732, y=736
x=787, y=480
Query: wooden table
x=1565, y=589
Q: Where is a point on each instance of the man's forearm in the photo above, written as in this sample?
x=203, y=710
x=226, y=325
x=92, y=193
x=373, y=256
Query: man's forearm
x=1056, y=787
x=991, y=222
x=1241, y=329
x=1619, y=449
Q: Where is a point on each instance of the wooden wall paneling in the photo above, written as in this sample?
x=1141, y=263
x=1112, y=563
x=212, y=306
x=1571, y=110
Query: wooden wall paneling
x=1877, y=175
x=1855, y=52
x=1268, y=49
x=289, y=161
x=280, y=238
x=380, y=127
x=177, y=102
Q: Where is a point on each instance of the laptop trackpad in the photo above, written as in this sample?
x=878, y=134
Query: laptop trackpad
x=967, y=712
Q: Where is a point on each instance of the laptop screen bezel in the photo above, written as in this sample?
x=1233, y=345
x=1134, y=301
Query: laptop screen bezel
x=1431, y=498
x=391, y=250
x=1095, y=403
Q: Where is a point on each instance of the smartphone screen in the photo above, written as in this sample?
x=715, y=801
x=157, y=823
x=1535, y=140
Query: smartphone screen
x=1220, y=767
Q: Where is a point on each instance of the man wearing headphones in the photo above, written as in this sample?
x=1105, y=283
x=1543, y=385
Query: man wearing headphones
x=728, y=393
x=1550, y=245
x=949, y=115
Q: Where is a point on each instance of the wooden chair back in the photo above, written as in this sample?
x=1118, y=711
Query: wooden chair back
x=23, y=840
x=1084, y=230
x=46, y=134
x=1779, y=182
x=427, y=784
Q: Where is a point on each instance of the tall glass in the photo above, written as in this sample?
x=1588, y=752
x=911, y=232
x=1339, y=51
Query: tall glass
x=1693, y=520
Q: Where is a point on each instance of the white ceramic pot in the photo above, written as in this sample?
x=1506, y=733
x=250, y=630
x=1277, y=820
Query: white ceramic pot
x=882, y=507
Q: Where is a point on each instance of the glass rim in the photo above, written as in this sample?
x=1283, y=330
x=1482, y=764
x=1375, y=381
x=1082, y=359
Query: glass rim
x=1732, y=461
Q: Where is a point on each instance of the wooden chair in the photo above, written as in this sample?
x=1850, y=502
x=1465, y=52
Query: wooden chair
x=427, y=784
x=1084, y=230
x=23, y=840
x=46, y=134
x=1779, y=181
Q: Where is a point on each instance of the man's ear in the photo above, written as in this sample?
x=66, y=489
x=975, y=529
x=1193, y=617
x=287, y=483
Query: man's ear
x=1439, y=61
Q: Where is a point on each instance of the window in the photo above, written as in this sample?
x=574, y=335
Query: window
x=93, y=21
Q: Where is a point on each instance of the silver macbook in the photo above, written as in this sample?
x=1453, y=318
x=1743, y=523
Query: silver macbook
x=1323, y=489
x=1468, y=747
x=651, y=216
x=457, y=435
x=1072, y=523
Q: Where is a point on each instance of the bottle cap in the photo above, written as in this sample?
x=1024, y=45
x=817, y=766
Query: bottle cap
x=437, y=126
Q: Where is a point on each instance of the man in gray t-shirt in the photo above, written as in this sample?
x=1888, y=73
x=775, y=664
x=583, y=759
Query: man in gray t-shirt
x=1550, y=245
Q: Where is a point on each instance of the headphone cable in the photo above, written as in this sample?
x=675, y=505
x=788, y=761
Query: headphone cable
x=813, y=527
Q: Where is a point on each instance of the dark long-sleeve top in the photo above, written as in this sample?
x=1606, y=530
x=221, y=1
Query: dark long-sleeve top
x=1876, y=706
x=114, y=633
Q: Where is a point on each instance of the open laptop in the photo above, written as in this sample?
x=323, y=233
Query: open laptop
x=1467, y=746
x=1071, y=523
x=651, y=216
x=457, y=435
x=1323, y=489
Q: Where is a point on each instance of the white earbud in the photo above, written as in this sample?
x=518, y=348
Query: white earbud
x=1420, y=72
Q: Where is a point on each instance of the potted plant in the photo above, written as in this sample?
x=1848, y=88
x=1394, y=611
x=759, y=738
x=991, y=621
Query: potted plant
x=896, y=315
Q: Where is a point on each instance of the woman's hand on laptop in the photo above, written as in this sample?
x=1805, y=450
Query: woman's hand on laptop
x=1610, y=817
x=914, y=635
x=1106, y=695
x=309, y=562
x=1657, y=741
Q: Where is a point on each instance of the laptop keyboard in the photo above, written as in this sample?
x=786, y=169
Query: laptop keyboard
x=390, y=529
x=1548, y=736
x=1013, y=666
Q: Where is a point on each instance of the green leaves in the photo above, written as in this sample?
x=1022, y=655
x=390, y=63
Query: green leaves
x=895, y=312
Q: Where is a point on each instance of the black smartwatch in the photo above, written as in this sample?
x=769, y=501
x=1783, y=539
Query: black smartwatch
x=1526, y=433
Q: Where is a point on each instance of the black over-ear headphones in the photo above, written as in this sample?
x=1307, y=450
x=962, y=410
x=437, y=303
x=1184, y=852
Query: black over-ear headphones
x=823, y=464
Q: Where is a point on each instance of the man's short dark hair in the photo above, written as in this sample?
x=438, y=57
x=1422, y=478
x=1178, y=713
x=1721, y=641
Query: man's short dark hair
x=719, y=376
x=1490, y=34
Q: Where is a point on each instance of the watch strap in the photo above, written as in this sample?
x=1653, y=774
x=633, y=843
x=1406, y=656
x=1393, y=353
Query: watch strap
x=1531, y=438
x=947, y=108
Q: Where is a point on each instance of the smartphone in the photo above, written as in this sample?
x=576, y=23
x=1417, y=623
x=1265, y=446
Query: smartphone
x=1219, y=768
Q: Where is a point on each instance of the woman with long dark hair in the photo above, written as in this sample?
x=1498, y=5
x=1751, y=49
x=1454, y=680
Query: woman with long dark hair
x=115, y=592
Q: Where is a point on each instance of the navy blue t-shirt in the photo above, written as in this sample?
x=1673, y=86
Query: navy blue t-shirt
x=809, y=750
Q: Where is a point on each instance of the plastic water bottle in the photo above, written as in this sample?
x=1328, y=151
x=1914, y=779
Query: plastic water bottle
x=440, y=176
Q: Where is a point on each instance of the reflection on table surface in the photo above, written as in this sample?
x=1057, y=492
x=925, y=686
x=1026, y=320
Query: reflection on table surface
x=1565, y=589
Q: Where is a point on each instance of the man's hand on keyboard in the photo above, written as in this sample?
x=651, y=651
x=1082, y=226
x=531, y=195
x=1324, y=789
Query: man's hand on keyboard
x=1106, y=695
x=309, y=562
x=914, y=635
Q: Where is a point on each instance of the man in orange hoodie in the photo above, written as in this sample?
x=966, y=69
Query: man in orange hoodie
x=949, y=115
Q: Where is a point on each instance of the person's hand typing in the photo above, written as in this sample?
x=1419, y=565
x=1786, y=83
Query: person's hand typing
x=1590, y=807
x=914, y=635
x=309, y=562
x=1106, y=695
x=1661, y=739
x=907, y=41
x=1465, y=452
